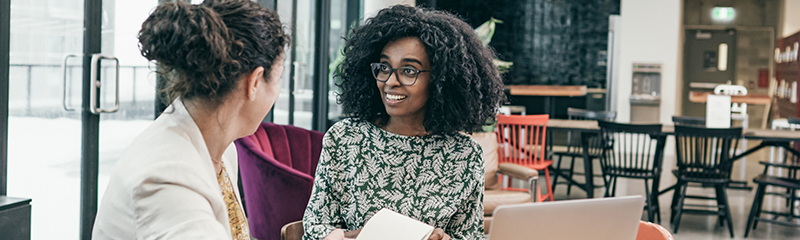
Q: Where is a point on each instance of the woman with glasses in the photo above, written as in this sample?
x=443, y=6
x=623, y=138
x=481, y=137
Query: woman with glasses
x=412, y=80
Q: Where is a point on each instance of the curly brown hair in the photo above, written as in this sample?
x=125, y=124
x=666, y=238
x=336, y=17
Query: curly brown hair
x=204, y=49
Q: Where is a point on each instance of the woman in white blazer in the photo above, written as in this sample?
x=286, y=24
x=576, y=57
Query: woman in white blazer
x=177, y=180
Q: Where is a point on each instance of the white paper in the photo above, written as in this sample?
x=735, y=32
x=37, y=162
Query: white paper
x=718, y=111
x=390, y=225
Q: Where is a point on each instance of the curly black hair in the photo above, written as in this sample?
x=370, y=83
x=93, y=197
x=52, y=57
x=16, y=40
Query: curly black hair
x=465, y=91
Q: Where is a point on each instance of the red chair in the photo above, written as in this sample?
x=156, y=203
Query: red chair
x=522, y=142
x=652, y=231
x=277, y=166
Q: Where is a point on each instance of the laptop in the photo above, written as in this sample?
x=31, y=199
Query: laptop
x=597, y=219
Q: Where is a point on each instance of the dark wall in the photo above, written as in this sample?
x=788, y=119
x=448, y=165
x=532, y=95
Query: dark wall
x=555, y=42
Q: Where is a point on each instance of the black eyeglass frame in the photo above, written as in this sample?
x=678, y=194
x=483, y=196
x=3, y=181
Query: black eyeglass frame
x=392, y=70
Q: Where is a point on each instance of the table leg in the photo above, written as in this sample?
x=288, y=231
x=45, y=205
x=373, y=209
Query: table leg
x=569, y=179
x=765, y=143
x=752, y=150
x=588, y=171
x=549, y=106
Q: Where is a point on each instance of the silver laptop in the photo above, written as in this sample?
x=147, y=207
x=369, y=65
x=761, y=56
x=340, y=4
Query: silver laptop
x=596, y=219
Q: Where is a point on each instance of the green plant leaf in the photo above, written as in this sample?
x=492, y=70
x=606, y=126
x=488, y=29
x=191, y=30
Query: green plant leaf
x=502, y=66
x=486, y=30
x=485, y=33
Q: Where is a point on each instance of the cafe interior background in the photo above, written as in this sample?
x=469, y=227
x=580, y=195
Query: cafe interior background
x=646, y=60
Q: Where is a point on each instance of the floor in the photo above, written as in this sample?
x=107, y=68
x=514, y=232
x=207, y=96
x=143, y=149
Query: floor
x=703, y=226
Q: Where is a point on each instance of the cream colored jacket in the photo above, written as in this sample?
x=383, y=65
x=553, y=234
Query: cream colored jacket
x=165, y=187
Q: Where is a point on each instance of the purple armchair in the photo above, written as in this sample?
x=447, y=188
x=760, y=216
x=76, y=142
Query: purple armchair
x=277, y=166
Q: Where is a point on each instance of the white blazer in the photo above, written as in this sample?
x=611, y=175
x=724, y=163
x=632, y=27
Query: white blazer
x=165, y=186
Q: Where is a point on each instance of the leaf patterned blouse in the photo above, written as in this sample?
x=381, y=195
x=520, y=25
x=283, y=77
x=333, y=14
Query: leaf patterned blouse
x=436, y=179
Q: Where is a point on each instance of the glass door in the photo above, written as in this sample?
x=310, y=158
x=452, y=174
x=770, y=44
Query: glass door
x=122, y=21
x=345, y=15
x=44, y=139
x=60, y=150
x=295, y=103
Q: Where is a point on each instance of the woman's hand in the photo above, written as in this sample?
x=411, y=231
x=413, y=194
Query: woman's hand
x=438, y=234
x=339, y=234
x=336, y=234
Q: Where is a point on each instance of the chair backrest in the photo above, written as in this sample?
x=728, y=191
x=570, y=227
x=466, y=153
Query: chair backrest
x=706, y=152
x=292, y=231
x=521, y=138
x=689, y=121
x=793, y=121
x=652, y=231
x=631, y=150
x=277, y=187
x=724, y=89
x=793, y=125
x=583, y=114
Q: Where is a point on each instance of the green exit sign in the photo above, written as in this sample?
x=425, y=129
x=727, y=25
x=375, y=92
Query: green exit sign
x=723, y=13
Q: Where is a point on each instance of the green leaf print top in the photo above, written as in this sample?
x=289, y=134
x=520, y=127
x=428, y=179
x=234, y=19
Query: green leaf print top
x=437, y=179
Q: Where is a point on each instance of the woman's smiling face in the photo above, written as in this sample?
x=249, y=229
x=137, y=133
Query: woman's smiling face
x=405, y=100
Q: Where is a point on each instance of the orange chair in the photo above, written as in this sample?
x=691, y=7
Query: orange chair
x=652, y=231
x=522, y=142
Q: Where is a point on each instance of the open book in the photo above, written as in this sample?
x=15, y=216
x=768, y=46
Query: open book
x=390, y=225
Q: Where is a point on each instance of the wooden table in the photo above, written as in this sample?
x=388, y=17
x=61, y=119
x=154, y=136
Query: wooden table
x=759, y=134
x=548, y=92
x=769, y=138
x=761, y=99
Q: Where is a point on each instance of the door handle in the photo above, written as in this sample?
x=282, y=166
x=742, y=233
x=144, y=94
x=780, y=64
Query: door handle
x=64, y=75
x=299, y=77
x=303, y=79
x=93, y=91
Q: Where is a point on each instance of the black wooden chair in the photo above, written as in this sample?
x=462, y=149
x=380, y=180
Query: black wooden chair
x=573, y=148
x=631, y=151
x=790, y=181
x=684, y=121
x=703, y=156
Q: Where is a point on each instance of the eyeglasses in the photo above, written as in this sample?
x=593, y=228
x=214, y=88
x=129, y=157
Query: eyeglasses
x=407, y=76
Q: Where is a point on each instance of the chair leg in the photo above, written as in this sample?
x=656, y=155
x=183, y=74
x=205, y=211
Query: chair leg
x=654, y=197
x=754, y=209
x=612, y=182
x=720, y=204
x=649, y=205
x=607, y=185
x=789, y=192
x=728, y=218
x=571, y=171
x=605, y=181
x=679, y=208
x=614, y=187
x=549, y=189
x=676, y=193
x=557, y=167
x=760, y=207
